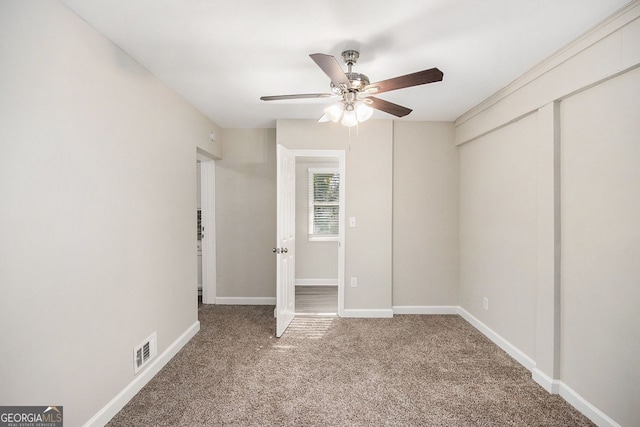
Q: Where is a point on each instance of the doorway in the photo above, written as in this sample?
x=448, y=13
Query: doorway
x=206, y=236
x=319, y=263
x=199, y=228
x=285, y=248
x=317, y=226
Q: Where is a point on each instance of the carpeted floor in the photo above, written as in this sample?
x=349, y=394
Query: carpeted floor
x=408, y=370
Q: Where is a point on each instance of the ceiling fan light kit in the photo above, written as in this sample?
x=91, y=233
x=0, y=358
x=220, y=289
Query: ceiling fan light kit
x=334, y=112
x=354, y=89
x=363, y=111
x=349, y=118
x=351, y=112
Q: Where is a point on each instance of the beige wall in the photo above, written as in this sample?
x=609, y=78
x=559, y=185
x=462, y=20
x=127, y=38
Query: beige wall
x=246, y=214
x=498, y=231
x=98, y=189
x=601, y=245
x=425, y=214
x=402, y=180
x=549, y=207
x=314, y=260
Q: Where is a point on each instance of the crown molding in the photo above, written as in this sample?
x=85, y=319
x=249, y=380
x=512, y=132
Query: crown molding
x=613, y=23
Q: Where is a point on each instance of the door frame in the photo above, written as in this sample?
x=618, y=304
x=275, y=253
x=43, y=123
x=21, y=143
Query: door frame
x=340, y=155
x=207, y=206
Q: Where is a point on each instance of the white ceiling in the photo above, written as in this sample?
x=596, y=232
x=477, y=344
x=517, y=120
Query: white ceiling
x=222, y=55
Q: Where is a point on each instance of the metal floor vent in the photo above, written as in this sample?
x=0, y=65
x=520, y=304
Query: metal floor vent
x=143, y=353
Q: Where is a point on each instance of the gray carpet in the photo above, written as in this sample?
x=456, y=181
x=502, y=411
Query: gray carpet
x=409, y=370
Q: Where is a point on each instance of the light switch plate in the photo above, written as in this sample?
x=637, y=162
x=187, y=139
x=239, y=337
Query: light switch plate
x=352, y=221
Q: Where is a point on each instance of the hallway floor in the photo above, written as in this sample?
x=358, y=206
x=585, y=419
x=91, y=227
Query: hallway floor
x=316, y=300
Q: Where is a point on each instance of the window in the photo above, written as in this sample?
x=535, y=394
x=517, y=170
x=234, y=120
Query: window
x=324, y=203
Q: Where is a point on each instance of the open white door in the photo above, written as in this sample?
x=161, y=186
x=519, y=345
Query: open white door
x=286, y=239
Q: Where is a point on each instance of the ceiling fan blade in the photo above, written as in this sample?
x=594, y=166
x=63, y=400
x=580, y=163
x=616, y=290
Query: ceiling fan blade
x=414, y=79
x=297, y=96
x=388, y=107
x=331, y=68
x=323, y=119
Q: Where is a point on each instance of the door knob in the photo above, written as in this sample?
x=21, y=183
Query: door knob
x=285, y=250
x=276, y=250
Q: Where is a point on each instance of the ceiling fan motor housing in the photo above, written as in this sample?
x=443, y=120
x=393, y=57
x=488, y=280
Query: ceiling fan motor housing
x=358, y=82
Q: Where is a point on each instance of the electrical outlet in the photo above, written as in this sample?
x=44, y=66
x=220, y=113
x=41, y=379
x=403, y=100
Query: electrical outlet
x=485, y=303
x=354, y=282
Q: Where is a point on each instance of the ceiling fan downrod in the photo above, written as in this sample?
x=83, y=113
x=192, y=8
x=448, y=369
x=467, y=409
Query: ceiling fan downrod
x=350, y=57
x=358, y=81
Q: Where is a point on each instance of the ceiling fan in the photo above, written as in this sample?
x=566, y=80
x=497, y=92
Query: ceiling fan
x=355, y=90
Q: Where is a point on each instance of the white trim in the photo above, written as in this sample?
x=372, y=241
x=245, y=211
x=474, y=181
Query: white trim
x=546, y=382
x=314, y=169
x=587, y=409
x=425, y=309
x=367, y=313
x=246, y=300
x=316, y=282
x=207, y=201
x=104, y=415
x=341, y=238
x=323, y=238
x=511, y=350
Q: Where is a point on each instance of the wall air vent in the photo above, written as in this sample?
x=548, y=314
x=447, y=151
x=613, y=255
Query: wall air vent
x=143, y=353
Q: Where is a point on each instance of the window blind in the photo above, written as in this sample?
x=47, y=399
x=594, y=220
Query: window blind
x=324, y=202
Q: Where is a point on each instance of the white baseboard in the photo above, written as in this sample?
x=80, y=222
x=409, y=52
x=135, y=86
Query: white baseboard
x=511, y=350
x=367, y=313
x=105, y=414
x=316, y=282
x=545, y=381
x=246, y=300
x=425, y=309
x=588, y=410
x=549, y=384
